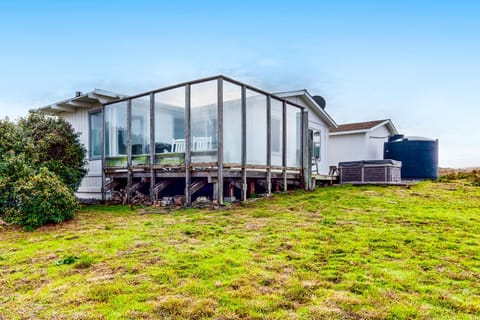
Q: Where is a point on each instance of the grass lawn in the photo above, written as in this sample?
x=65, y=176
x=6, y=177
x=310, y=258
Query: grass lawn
x=335, y=253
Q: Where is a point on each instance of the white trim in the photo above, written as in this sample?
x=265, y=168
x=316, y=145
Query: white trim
x=388, y=123
x=305, y=95
x=340, y=133
x=98, y=96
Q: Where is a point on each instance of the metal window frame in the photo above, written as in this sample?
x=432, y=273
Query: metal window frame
x=90, y=113
x=187, y=121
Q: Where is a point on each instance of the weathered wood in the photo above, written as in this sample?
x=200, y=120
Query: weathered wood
x=284, y=145
x=244, y=143
x=306, y=154
x=102, y=190
x=235, y=183
x=251, y=184
x=269, y=146
x=197, y=185
x=188, y=156
x=152, y=145
x=220, y=138
x=129, y=146
x=159, y=187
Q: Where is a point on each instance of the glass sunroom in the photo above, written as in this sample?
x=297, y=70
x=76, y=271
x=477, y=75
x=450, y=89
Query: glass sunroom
x=215, y=137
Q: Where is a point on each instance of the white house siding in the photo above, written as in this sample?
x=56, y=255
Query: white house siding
x=375, y=140
x=349, y=147
x=316, y=124
x=90, y=187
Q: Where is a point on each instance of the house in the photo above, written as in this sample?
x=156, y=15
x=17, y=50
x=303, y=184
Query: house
x=214, y=136
x=359, y=141
x=320, y=123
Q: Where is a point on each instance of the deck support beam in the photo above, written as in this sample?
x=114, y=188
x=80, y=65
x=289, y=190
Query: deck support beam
x=188, y=155
x=103, y=156
x=244, y=143
x=220, y=139
x=152, y=146
x=269, y=146
x=284, y=146
x=129, y=148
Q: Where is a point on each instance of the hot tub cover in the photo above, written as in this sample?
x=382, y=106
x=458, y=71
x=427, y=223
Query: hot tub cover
x=361, y=163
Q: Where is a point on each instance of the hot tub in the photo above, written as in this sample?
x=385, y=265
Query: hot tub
x=370, y=172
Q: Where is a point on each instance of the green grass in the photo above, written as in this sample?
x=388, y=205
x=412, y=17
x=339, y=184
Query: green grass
x=335, y=253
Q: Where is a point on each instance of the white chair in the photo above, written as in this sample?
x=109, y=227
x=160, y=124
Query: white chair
x=202, y=143
x=178, y=145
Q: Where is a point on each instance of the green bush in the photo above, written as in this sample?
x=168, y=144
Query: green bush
x=11, y=138
x=12, y=168
x=55, y=146
x=41, y=165
x=39, y=199
x=473, y=177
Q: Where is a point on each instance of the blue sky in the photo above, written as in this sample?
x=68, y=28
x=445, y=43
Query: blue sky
x=416, y=62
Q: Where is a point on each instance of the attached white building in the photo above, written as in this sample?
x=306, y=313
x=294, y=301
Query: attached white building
x=320, y=124
x=359, y=141
x=84, y=113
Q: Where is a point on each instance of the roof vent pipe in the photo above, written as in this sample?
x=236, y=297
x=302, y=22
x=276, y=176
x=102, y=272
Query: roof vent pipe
x=78, y=93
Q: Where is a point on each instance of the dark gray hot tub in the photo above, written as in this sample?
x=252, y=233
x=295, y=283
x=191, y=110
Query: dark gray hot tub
x=370, y=172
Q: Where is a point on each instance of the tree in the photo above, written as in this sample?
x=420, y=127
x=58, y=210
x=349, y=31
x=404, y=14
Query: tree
x=41, y=165
x=11, y=138
x=55, y=146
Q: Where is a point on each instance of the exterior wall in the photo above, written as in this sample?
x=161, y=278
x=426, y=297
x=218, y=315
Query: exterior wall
x=349, y=147
x=358, y=146
x=317, y=124
x=91, y=185
x=375, y=140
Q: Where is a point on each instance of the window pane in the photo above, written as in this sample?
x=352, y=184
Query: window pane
x=140, y=131
x=316, y=145
x=95, y=134
x=256, y=128
x=232, y=123
x=116, y=134
x=170, y=126
x=204, y=121
x=294, y=120
x=277, y=131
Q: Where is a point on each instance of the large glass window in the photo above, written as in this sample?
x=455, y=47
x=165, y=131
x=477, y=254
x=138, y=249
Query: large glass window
x=170, y=126
x=140, y=131
x=256, y=128
x=276, y=131
x=232, y=123
x=95, y=134
x=116, y=134
x=204, y=121
x=294, y=136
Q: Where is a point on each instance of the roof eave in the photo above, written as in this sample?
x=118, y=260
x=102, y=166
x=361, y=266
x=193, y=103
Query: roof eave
x=88, y=100
x=340, y=133
x=307, y=97
x=387, y=123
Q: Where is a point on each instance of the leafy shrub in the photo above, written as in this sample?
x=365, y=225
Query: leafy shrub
x=55, y=146
x=66, y=260
x=11, y=138
x=40, y=199
x=471, y=176
x=41, y=165
x=12, y=168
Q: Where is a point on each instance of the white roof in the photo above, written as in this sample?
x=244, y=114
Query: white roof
x=311, y=103
x=364, y=127
x=83, y=100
